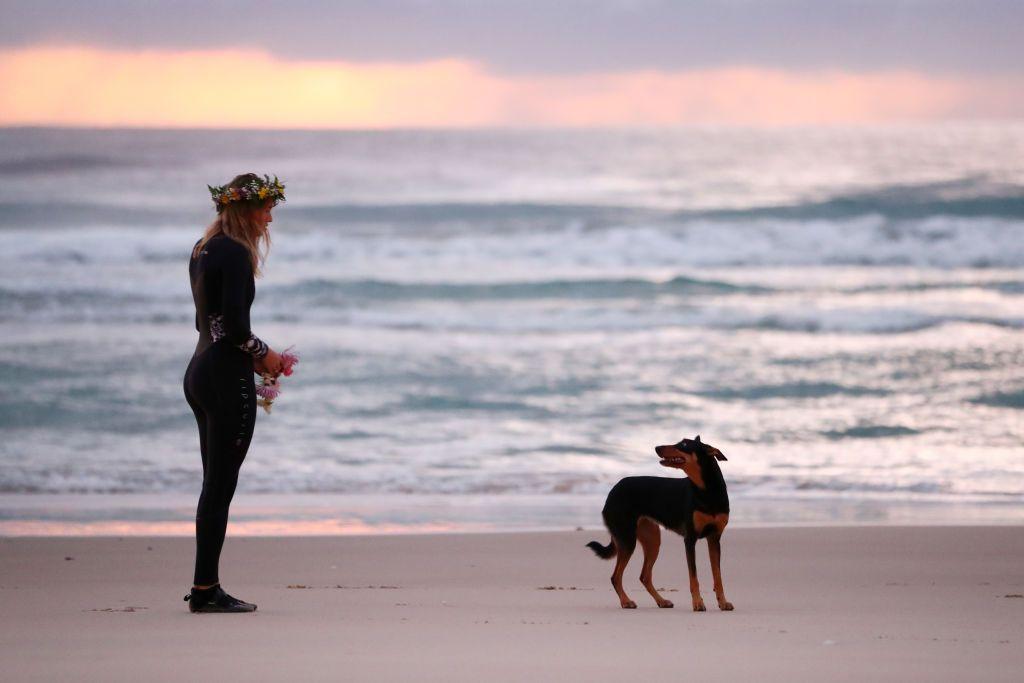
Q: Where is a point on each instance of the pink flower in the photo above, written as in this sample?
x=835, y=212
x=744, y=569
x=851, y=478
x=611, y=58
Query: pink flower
x=268, y=388
x=288, y=361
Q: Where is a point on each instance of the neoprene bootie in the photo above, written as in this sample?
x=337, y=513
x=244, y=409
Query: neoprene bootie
x=214, y=599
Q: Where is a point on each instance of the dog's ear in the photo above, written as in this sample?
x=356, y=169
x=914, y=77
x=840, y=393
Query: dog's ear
x=697, y=439
x=718, y=454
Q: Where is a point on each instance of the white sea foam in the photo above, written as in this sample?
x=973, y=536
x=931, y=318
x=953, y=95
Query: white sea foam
x=483, y=314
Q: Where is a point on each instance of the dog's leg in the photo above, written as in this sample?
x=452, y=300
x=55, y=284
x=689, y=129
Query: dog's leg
x=691, y=564
x=649, y=535
x=621, y=560
x=715, y=553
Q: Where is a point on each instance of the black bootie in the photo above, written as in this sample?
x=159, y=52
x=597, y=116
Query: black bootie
x=214, y=599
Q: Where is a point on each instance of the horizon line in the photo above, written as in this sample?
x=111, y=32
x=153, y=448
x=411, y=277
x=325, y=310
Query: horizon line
x=489, y=128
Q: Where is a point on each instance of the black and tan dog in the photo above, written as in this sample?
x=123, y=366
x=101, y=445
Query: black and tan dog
x=696, y=507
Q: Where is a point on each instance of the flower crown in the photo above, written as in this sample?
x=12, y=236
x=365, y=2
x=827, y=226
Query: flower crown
x=256, y=190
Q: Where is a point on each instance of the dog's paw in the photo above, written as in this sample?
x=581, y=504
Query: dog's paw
x=698, y=605
x=628, y=604
x=725, y=605
x=665, y=604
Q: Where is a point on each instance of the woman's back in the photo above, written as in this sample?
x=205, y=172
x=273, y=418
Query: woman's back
x=223, y=289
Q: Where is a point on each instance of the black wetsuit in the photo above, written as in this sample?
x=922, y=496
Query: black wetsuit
x=219, y=386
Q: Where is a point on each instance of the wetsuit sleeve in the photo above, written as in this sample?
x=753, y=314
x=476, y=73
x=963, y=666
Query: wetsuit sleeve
x=236, y=279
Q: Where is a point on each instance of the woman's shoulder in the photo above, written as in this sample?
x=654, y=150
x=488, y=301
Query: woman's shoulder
x=222, y=244
x=225, y=252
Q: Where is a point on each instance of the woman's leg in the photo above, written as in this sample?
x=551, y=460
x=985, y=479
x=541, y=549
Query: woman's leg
x=228, y=434
x=197, y=411
x=228, y=408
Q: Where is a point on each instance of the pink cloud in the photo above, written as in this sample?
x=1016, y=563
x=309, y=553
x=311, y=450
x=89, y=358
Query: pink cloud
x=94, y=87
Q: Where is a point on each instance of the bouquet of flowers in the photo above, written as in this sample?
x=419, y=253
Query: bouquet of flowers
x=269, y=386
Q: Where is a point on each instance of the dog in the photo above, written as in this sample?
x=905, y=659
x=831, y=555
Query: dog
x=695, y=507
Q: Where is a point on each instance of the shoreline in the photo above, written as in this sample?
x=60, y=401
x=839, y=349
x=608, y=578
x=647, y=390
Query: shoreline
x=299, y=515
x=842, y=603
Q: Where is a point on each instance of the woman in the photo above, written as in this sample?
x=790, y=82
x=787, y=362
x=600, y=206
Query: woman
x=219, y=384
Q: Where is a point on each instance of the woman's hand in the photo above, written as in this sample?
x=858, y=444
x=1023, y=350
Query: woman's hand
x=270, y=364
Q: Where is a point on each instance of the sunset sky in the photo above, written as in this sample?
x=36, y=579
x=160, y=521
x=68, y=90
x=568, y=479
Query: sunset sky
x=458, y=63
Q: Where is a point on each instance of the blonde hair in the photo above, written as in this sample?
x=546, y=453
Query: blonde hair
x=236, y=220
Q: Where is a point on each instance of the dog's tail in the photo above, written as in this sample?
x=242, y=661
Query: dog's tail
x=605, y=552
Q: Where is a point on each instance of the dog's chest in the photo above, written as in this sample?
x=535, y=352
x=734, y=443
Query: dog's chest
x=704, y=523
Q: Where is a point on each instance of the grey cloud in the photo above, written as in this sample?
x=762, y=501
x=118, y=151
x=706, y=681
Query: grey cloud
x=555, y=36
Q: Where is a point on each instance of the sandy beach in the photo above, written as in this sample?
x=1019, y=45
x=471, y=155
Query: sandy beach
x=845, y=603
x=517, y=246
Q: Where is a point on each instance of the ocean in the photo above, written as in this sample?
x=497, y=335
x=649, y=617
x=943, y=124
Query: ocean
x=495, y=326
